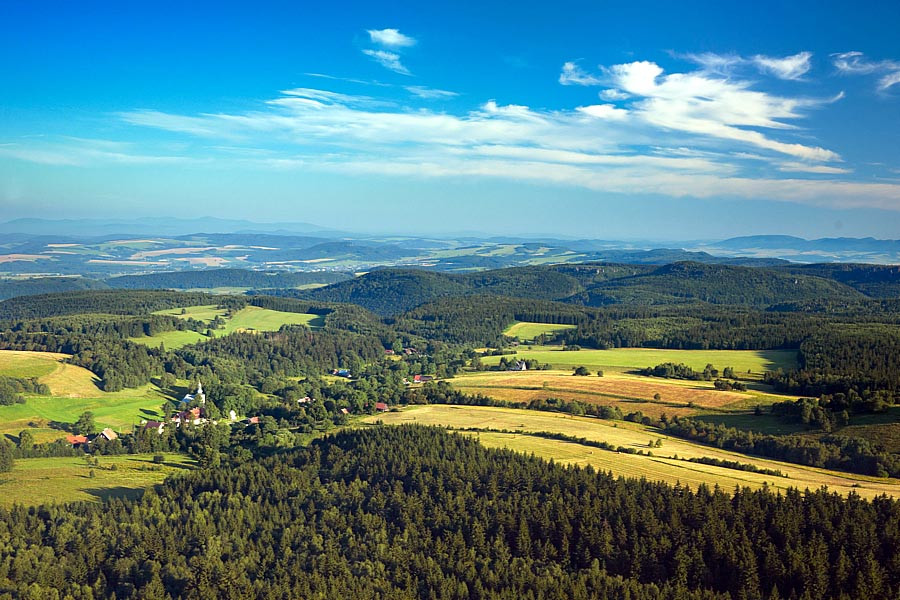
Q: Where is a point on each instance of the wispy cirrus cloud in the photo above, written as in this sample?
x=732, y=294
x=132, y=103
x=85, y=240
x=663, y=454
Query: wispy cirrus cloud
x=572, y=74
x=388, y=60
x=788, y=67
x=391, y=38
x=391, y=42
x=695, y=133
x=83, y=152
x=680, y=135
x=856, y=63
x=427, y=93
x=792, y=67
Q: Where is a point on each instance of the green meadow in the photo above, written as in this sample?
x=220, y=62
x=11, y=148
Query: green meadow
x=754, y=362
x=525, y=330
x=36, y=481
x=249, y=318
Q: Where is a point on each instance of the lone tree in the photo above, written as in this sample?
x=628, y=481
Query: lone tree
x=85, y=424
x=6, y=456
x=26, y=440
x=581, y=371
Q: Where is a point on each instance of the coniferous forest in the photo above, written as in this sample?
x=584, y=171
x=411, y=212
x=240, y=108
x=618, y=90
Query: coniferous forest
x=412, y=512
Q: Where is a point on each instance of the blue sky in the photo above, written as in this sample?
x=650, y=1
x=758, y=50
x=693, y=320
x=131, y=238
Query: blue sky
x=609, y=120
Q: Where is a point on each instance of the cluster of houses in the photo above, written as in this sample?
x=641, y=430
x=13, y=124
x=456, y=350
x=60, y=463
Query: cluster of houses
x=81, y=440
x=193, y=416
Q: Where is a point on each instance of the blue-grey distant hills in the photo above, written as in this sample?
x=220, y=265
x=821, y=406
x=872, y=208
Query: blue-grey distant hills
x=787, y=242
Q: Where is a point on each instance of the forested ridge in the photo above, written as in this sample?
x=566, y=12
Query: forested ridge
x=412, y=512
x=392, y=291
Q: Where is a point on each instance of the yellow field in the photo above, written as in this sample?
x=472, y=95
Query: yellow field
x=663, y=466
x=629, y=393
x=67, y=479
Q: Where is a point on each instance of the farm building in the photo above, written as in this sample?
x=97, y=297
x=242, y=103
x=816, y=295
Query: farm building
x=158, y=426
x=76, y=440
x=423, y=378
x=381, y=407
x=107, y=434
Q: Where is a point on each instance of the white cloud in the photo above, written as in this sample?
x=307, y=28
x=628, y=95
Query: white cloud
x=388, y=60
x=788, y=67
x=427, y=93
x=572, y=74
x=80, y=152
x=614, y=95
x=603, y=111
x=799, y=167
x=710, y=62
x=707, y=105
x=855, y=63
x=390, y=38
x=682, y=134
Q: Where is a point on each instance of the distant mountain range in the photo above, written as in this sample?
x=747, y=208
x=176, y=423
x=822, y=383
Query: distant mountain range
x=99, y=249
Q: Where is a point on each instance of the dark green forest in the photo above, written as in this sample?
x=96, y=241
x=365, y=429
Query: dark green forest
x=411, y=512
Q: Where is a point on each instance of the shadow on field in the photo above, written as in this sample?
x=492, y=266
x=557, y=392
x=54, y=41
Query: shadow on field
x=765, y=423
x=115, y=492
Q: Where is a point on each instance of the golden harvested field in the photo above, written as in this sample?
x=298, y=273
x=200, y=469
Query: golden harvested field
x=629, y=393
x=663, y=466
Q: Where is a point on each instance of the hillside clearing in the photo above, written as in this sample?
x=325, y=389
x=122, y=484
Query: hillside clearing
x=73, y=390
x=526, y=330
x=35, y=481
x=663, y=466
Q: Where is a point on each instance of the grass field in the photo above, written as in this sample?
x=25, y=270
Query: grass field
x=74, y=390
x=263, y=319
x=67, y=479
x=755, y=361
x=249, y=318
x=14, y=363
x=205, y=313
x=172, y=340
x=663, y=466
x=525, y=330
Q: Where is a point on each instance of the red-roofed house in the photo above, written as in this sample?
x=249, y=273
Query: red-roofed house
x=381, y=406
x=254, y=420
x=76, y=440
x=422, y=378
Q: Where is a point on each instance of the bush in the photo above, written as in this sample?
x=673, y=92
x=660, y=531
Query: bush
x=158, y=459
